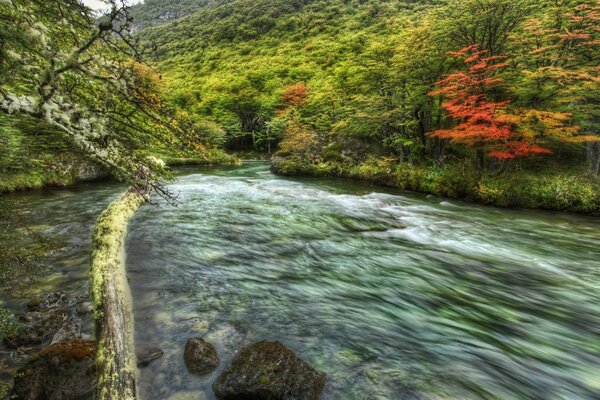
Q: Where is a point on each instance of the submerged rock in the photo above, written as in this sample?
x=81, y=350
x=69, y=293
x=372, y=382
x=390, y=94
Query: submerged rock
x=200, y=357
x=62, y=371
x=146, y=356
x=187, y=396
x=48, y=301
x=269, y=371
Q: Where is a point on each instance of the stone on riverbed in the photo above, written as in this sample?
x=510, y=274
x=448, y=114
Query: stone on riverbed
x=37, y=328
x=269, y=371
x=200, y=357
x=147, y=355
x=62, y=371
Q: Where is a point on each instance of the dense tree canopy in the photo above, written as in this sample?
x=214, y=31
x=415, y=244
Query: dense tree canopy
x=84, y=78
x=370, y=70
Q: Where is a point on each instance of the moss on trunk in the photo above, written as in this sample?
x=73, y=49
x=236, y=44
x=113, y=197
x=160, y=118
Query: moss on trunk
x=112, y=301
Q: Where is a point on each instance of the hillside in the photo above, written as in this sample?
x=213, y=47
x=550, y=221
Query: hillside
x=230, y=64
x=357, y=89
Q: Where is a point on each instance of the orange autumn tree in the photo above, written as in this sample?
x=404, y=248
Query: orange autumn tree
x=482, y=123
x=295, y=95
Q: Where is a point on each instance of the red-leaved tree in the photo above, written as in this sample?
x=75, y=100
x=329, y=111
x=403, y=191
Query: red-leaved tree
x=482, y=123
x=295, y=95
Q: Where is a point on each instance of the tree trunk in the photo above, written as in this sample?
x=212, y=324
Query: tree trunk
x=111, y=297
x=593, y=152
x=480, y=158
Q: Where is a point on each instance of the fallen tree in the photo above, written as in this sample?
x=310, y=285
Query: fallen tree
x=116, y=362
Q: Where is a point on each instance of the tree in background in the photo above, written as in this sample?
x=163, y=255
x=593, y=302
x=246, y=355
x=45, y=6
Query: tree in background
x=483, y=123
x=84, y=77
x=557, y=74
x=485, y=22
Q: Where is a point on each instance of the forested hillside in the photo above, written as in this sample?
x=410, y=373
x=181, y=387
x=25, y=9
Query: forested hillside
x=463, y=98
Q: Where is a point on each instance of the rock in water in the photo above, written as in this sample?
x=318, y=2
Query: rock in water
x=62, y=371
x=269, y=371
x=70, y=330
x=200, y=357
x=37, y=328
x=146, y=356
x=50, y=319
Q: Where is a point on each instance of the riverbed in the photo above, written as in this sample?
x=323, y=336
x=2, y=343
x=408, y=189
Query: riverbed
x=394, y=295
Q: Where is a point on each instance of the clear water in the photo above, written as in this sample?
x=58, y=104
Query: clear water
x=67, y=216
x=393, y=295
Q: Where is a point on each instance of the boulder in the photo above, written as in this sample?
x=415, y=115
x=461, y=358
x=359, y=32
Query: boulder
x=37, y=328
x=70, y=330
x=269, y=371
x=200, y=357
x=51, y=318
x=48, y=301
x=146, y=356
x=62, y=371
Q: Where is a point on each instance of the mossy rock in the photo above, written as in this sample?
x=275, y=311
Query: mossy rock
x=62, y=371
x=269, y=371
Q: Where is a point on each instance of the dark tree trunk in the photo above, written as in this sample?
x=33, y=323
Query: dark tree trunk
x=593, y=155
x=480, y=158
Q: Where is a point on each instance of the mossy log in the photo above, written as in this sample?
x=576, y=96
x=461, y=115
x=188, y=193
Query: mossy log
x=116, y=362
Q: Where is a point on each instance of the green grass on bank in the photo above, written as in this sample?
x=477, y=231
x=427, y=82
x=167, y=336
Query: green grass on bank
x=559, y=190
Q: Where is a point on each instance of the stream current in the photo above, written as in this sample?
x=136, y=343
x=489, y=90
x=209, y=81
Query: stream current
x=394, y=295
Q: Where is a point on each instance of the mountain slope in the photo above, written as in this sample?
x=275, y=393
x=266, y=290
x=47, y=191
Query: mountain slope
x=229, y=64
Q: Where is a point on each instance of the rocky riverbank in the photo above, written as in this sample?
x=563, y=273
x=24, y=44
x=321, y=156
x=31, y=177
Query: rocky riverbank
x=52, y=342
x=57, y=356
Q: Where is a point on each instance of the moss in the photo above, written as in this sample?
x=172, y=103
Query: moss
x=108, y=267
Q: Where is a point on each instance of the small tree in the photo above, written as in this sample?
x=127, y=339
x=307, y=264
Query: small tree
x=483, y=123
x=295, y=95
x=557, y=72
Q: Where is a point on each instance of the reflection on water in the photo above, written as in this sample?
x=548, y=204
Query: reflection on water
x=394, y=296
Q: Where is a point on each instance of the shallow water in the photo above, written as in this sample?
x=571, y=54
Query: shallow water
x=67, y=217
x=393, y=295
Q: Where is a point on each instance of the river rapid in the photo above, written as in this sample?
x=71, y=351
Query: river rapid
x=394, y=295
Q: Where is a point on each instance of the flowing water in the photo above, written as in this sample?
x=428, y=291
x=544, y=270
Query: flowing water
x=393, y=295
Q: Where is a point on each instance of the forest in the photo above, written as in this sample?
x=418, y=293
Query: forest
x=496, y=101
x=391, y=199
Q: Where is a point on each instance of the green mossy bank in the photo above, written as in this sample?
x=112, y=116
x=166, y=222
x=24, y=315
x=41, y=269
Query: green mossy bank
x=560, y=190
x=33, y=156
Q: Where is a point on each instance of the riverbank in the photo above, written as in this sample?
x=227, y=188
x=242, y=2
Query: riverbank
x=570, y=191
x=70, y=169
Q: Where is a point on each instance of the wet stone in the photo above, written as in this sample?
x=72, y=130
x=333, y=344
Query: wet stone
x=200, y=357
x=269, y=371
x=62, y=371
x=146, y=356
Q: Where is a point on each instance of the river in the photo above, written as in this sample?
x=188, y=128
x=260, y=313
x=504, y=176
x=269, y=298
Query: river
x=394, y=295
